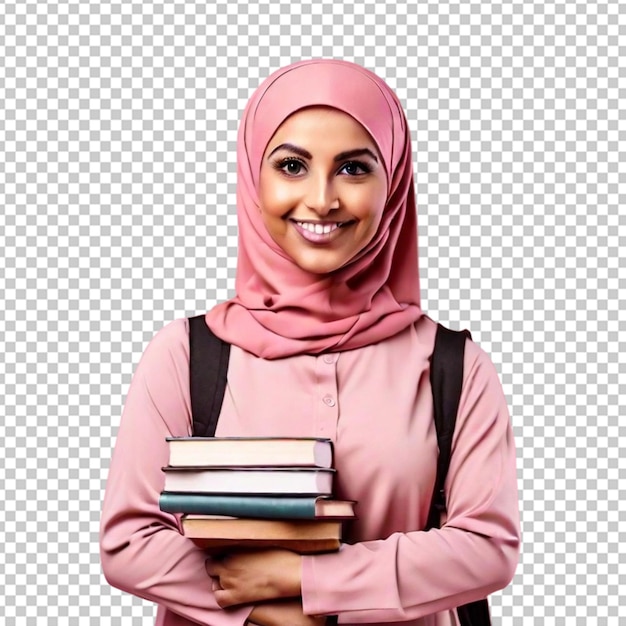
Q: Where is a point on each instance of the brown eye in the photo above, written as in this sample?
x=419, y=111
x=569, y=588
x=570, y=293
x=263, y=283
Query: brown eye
x=291, y=167
x=354, y=168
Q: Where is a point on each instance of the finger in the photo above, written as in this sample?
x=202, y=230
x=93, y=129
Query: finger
x=225, y=598
x=212, y=567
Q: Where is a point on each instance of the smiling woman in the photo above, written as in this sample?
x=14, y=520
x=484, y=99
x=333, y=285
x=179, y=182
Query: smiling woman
x=328, y=340
x=319, y=203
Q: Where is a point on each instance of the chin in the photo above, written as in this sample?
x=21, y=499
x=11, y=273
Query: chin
x=317, y=270
x=320, y=269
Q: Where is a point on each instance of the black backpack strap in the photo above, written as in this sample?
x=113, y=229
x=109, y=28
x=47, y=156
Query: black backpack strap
x=446, y=378
x=474, y=613
x=208, y=368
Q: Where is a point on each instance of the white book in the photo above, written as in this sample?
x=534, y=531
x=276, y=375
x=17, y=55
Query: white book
x=249, y=480
x=250, y=451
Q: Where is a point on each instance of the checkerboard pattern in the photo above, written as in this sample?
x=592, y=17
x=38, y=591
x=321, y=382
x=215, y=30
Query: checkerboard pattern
x=118, y=125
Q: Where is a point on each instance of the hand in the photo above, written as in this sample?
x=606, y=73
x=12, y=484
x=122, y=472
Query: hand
x=252, y=577
x=281, y=613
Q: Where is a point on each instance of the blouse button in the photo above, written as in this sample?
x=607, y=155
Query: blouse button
x=329, y=400
x=329, y=358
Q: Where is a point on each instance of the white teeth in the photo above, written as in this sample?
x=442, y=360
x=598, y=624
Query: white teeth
x=318, y=229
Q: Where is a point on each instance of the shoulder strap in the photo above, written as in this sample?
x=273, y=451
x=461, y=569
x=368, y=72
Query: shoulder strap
x=208, y=368
x=446, y=379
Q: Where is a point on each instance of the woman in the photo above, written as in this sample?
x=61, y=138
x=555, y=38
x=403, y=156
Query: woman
x=329, y=340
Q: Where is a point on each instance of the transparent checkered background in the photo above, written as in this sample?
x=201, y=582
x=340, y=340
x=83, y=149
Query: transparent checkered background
x=117, y=186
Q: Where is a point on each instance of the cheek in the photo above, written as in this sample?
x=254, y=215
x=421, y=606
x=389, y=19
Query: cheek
x=276, y=199
x=369, y=204
x=373, y=207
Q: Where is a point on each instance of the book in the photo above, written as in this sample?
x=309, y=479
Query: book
x=218, y=533
x=268, y=507
x=250, y=451
x=250, y=480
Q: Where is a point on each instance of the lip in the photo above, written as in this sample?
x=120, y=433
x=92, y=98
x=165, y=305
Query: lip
x=333, y=230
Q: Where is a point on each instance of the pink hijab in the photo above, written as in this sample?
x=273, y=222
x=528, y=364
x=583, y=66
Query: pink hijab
x=281, y=310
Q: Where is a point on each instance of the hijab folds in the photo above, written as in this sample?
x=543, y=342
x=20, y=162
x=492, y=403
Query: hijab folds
x=282, y=310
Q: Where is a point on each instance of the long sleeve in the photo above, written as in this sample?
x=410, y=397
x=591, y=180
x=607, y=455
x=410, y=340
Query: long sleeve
x=411, y=573
x=375, y=403
x=141, y=547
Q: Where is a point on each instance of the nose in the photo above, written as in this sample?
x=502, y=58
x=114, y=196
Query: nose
x=321, y=196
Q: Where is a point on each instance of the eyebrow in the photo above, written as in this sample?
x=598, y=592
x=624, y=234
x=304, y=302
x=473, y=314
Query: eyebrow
x=307, y=155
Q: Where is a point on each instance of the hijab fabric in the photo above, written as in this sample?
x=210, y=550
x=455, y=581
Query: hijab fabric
x=282, y=310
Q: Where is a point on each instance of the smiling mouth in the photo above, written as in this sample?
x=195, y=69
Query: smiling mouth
x=320, y=228
x=320, y=232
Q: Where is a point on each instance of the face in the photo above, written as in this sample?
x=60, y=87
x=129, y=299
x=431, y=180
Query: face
x=322, y=189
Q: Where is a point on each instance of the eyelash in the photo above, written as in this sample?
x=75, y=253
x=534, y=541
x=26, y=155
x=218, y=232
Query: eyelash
x=280, y=166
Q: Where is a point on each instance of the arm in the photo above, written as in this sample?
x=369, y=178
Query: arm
x=142, y=549
x=413, y=574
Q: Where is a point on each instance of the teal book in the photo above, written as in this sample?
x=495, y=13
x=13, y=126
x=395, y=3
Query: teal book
x=263, y=507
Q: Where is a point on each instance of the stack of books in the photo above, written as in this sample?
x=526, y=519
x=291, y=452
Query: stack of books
x=255, y=492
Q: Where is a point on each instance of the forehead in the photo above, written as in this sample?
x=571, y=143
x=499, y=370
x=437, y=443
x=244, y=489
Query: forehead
x=324, y=128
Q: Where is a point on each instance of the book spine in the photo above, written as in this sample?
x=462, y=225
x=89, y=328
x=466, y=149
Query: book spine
x=235, y=506
x=301, y=546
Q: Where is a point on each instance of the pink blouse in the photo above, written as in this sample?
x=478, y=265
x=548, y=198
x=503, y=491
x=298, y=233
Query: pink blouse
x=375, y=403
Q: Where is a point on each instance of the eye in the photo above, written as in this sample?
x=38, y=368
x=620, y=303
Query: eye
x=290, y=166
x=354, y=168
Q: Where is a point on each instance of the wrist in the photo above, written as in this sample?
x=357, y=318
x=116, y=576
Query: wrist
x=292, y=581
